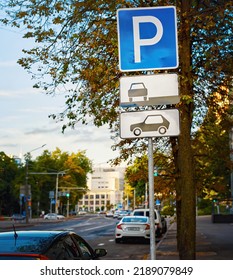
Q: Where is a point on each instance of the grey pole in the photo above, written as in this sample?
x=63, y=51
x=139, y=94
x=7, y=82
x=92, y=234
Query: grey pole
x=151, y=199
x=27, y=186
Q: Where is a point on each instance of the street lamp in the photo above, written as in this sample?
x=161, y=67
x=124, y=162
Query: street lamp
x=27, y=186
x=56, y=192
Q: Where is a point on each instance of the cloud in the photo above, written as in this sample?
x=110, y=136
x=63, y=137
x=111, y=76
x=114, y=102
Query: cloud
x=39, y=131
x=9, y=63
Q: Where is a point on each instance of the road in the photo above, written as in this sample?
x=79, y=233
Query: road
x=99, y=230
x=214, y=241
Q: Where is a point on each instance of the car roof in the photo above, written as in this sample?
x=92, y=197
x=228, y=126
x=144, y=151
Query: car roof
x=29, y=241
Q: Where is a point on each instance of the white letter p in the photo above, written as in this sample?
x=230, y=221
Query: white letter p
x=145, y=42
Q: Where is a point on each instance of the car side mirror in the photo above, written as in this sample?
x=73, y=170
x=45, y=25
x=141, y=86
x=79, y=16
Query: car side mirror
x=100, y=252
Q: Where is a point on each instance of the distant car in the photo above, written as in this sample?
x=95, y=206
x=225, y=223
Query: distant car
x=18, y=217
x=122, y=214
x=46, y=245
x=53, y=216
x=132, y=227
x=73, y=213
x=115, y=215
x=82, y=212
x=109, y=214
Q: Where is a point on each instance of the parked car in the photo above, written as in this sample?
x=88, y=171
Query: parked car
x=73, y=213
x=53, y=216
x=132, y=227
x=115, y=215
x=18, y=217
x=46, y=245
x=158, y=222
x=122, y=214
x=164, y=224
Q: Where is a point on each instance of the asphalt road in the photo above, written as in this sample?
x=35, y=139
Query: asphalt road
x=214, y=241
x=99, y=231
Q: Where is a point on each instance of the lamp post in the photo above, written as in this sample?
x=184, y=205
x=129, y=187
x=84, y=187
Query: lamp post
x=56, y=192
x=57, y=179
x=27, y=186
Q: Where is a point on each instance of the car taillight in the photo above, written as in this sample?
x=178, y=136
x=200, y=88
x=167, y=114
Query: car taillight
x=119, y=226
x=42, y=257
x=147, y=226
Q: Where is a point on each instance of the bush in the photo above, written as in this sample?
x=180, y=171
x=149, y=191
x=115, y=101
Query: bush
x=168, y=210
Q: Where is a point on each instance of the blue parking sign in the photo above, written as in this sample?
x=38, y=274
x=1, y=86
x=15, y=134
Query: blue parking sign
x=147, y=38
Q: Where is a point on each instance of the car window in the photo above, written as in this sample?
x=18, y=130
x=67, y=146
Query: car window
x=71, y=248
x=148, y=214
x=84, y=248
x=64, y=249
x=57, y=251
x=134, y=220
x=139, y=213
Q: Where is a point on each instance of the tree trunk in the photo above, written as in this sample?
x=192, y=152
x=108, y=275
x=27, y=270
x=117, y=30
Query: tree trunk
x=185, y=182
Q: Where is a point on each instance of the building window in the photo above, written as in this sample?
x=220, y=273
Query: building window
x=102, y=196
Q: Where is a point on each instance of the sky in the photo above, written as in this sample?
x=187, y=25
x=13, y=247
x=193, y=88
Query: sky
x=24, y=111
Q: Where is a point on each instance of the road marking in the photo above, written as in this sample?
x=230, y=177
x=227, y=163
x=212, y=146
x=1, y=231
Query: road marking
x=87, y=229
x=100, y=244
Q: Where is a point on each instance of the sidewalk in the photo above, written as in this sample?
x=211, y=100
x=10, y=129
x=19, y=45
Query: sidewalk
x=167, y=248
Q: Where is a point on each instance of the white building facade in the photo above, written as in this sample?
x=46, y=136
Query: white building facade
x=106, y=187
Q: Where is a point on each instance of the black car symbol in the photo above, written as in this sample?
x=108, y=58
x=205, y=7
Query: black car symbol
x=151, y=123
x=137, y=90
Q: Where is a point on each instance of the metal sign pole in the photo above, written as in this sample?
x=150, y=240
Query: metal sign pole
x=151, y=199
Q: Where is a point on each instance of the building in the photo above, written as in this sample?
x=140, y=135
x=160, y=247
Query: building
x=106, y=186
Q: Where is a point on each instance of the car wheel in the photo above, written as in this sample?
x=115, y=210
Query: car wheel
x=117, y=240
x=162, y=130
x=137, y=131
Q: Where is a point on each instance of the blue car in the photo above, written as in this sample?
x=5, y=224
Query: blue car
x=46, y=245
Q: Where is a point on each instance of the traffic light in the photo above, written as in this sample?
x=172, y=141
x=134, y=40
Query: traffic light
x=67, y=195
x=155, y=171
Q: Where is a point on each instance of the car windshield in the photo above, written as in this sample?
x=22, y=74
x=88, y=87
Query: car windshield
x=134, y=220
x=24, y=243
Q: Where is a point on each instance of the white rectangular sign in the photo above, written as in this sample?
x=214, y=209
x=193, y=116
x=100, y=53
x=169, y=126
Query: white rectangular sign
x=149, y=90
x=153, y=123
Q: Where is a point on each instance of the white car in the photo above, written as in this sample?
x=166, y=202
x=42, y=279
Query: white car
x=122, y=214
x=109, y=214
x=146, y=213
x=131, y=227
x=53, y=216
